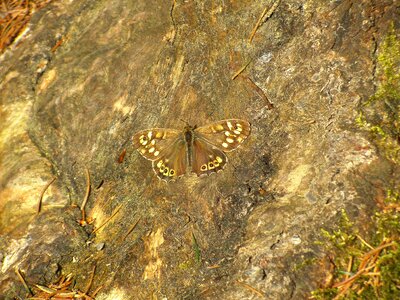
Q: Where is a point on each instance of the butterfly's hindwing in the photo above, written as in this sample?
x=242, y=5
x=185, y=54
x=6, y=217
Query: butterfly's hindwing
x=151, y=143
x=206, y=158
x=173, y=161
x=226, y=134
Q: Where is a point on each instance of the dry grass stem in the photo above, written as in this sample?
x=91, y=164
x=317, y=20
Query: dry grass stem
x=89, y=285
x=108, y=220
x=39, y=206
x=15, y=15
x=250, y=288
x=263, y=18
x=131, y=229
x=240, y=70
x=85, y=199
x=21, y=278
x=259, y=91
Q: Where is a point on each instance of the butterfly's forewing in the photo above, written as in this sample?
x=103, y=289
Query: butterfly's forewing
x=226, y=134
x=173, y=161
x=152, y=142
x=206, y=158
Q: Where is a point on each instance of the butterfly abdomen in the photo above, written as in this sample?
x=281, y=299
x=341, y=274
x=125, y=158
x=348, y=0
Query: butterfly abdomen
x=189, y=138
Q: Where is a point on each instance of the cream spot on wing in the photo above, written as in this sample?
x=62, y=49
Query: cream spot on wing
x=219, y=127
x=236, y=132
x=144, y=142
x=239, y=139
x=150, y=134
x=156, y=153
x=227, y=133
x=143, y=151
x=159, y=135
x=151, y=150
x=225, y=145
x=159, y=164
x=238, y=125
x=230, y=140
x=153, y=142
x=166, y=171
x=230, y=126
x=219, y=159
x=240, y=129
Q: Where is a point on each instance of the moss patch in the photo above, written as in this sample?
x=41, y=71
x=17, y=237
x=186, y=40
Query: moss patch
x=368, y=267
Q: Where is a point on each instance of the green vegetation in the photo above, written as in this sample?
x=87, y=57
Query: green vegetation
x=380, y=115
x=365, y=270
x=369, y=267
x=196, y=249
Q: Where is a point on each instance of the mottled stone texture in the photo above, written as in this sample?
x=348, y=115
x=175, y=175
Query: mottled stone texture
x=123, y=66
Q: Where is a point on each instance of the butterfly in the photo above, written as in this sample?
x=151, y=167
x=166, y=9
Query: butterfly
x=201, y=150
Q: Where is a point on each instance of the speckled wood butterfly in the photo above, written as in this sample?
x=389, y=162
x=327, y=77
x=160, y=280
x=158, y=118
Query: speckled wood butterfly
x=199, y=149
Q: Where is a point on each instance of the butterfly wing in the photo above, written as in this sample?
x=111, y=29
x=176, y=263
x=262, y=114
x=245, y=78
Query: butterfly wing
x=152, y=142
x=206, y=158
x=173, y=161
x=226, y=134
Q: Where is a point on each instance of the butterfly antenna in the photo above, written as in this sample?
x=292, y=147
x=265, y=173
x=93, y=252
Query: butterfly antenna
x=184, y=121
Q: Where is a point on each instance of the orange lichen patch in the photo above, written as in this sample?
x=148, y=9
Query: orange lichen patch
x=14, y=15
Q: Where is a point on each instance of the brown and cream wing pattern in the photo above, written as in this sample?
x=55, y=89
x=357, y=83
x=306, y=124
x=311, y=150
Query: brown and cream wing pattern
x=225, y=134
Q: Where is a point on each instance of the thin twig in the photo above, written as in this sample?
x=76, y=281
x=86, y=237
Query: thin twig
x=249, y=287
x=349, y=266
x=264, y=17
x=352, y=278
x=90, y=281
x=106, y=221
x=39, y=206
x=364, y=242
x=253, y=32
x=213, y=267
x=363, y=263
x=372, y=252
x=373, y=274
x=21, y=278
x=131, y=229
x=366, y=264
x=240, y=70
x=86, y=195
x=46, y=289
x=96, y=291
x=259, y=91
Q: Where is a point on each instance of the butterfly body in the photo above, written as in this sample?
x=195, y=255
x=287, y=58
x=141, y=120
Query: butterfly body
x=200, y=150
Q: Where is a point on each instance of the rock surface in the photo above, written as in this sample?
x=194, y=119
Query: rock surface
x=123, y=66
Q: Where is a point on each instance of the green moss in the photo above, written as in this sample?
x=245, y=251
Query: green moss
x=185, y=265
x=345, y=244
x=381, y=113
x=377, y=253
x=196, y=249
